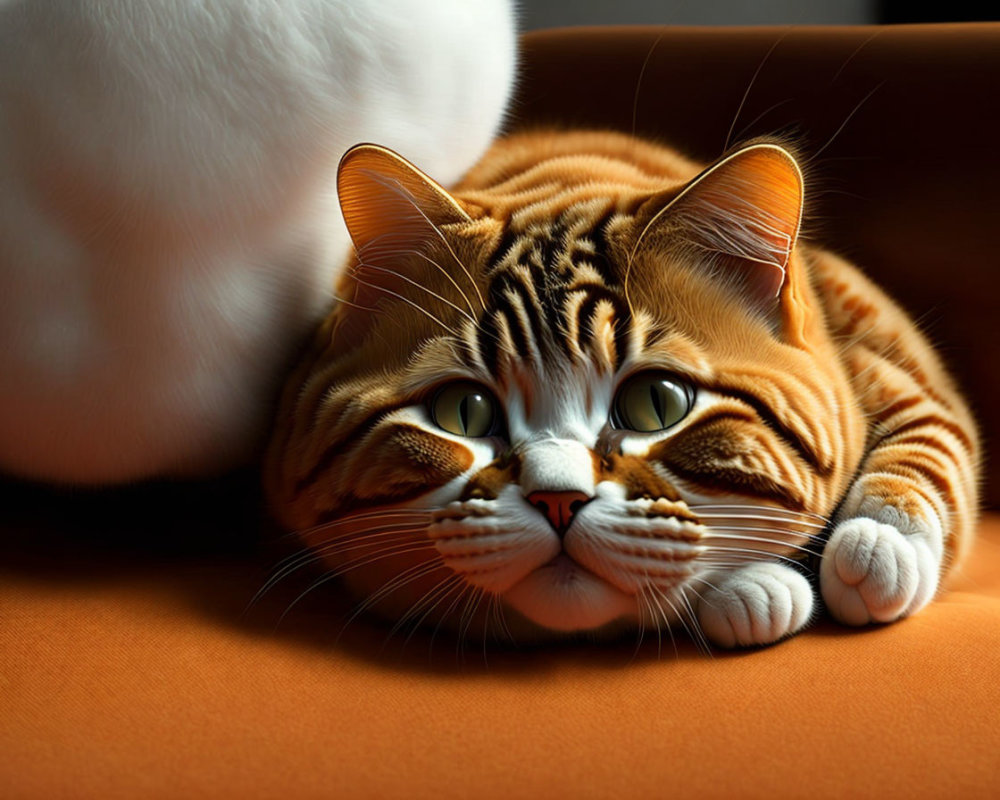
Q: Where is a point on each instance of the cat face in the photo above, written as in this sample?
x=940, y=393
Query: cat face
x=578, y=388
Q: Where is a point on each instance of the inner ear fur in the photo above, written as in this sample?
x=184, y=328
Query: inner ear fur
x=741, y=216
x=387, y=201
x=397, y=218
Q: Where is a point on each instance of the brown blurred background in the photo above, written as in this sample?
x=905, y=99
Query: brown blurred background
x=555, y=13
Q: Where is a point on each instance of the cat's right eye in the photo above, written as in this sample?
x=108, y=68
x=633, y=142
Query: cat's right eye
x=651, y=401
x=465, y=409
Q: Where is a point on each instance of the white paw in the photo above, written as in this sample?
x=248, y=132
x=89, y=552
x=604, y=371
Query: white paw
x=756, y=604
x=871, y=572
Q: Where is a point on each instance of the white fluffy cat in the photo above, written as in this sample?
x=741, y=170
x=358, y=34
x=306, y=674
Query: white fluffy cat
x=168, y=221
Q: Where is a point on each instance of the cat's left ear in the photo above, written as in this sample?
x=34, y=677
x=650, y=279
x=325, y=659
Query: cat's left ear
x=742, y=216
x=387, y=202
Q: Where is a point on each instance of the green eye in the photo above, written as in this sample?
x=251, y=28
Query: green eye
x=465, y=409
x=651, y=401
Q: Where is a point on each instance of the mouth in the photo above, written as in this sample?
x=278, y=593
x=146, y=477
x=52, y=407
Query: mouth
x=562, y=595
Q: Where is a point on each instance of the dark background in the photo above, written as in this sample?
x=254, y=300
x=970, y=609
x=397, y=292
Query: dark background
x=536, y=14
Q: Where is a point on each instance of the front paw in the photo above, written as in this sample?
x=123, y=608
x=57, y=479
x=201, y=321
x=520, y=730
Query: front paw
x=871, y=572
x=756, y=604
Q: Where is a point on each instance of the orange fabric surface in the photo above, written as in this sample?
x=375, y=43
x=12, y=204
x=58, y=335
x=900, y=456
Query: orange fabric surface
x=124, y=678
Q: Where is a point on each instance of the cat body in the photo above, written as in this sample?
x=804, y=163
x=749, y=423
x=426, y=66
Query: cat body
x=597, y=386
x=169, y=227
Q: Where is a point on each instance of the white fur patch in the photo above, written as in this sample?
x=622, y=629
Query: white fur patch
x=754, y=605
x=871, y=572
x=169, y=226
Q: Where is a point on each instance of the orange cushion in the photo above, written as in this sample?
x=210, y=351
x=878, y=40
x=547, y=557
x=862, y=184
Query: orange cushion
x=142, y=681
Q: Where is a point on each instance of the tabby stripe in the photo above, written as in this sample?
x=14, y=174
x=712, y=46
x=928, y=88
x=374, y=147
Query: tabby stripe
x=514, y=326
x=932, y=471
x=917, y=440
x=791, y=438
x=931, y=420
x=585, y=318
x=528, y=301
x=356, y=432
x=623, y=337
x=504, y=248
x=488, y=340
x=599, y=260
x=767, y=489
x=900, y=405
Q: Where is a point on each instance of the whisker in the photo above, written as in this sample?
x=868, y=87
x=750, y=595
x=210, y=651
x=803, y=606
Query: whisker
x=435, y=594
x=764, y=518
x=751, y=507
x=638, y=83
x=501, y=617
x=347, y=568
x=406, y=300
x=301, y=561
x=843, y=124
x=697, y=642
x=422, y=288
x=651, y=599
x=753, y=80
x=464, y=590
x=640, y=598
x=374, y=532
x=695, y=624
x=761, y=116
x=394, y=584
x=758, y=555
x=442, y=270
x=465, y=621
x=380, y=514
x=763, y=540
x=444, y=239
x=297, y=561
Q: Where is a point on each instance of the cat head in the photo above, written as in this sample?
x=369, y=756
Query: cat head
x=578, y=385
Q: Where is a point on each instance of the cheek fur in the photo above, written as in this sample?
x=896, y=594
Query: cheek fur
x=401, y=461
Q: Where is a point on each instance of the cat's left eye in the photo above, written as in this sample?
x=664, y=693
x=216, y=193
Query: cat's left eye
x=465, y=409
x=651, y=401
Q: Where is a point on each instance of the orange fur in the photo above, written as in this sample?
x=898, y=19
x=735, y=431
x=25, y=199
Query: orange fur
x=827, y=387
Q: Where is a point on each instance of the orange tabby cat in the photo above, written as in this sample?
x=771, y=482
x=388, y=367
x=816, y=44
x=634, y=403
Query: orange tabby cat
x=600, y=387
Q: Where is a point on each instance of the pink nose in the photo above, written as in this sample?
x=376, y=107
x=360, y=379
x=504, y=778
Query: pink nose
x=558, y=507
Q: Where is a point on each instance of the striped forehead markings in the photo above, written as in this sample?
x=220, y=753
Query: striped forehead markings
x=535, y=276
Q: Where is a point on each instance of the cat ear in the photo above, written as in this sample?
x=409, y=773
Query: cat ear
x=742, y=214
x=387, y=202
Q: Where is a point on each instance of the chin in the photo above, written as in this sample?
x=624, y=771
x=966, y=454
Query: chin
x=562, y=597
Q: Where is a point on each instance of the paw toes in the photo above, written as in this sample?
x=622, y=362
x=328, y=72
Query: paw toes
x=873, y=573
x=756, y=605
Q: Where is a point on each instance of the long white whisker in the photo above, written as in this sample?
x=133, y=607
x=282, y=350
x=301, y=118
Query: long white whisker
x=444, y=239
x=422, y=288
x=762, y=518
x=394, y=584
x=762, y=540
x=313, y=554
x=694, y=622
x=356, y=564
x=367, y=515
x=406, y=300
x=697, y=507
x=442, y=270
x=433, y=596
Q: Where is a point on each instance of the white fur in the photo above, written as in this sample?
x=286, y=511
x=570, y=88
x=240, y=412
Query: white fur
x=756, y=604
x=168, y=221
x=880, y=564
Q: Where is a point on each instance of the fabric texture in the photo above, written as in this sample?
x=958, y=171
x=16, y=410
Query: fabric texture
x=129, y=666
x=138, y=679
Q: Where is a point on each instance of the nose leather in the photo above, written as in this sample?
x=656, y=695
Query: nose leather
x=559, y=507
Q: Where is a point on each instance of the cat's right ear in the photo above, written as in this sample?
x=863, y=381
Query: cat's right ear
x=389, y=204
